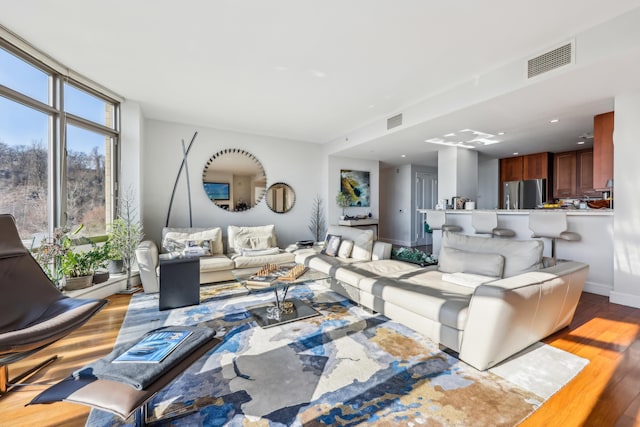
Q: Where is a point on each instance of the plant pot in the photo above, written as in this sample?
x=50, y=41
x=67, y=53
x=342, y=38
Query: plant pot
x=75, y=283
x=115, y=266
x=100, y=277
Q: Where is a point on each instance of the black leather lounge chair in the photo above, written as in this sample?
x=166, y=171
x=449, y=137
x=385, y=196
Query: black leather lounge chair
x=33, y=312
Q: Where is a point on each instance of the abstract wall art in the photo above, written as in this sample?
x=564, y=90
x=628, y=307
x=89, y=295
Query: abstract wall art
x=356, y=185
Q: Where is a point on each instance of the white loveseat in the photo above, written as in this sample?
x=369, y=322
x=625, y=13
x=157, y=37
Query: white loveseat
x=247, y=247
x=487, y=298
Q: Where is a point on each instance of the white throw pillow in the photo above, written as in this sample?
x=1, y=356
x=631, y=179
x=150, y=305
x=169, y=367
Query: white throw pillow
x=253, y=242
x=346, y=246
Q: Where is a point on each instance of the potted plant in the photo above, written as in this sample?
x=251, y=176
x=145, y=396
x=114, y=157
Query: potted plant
x=50, y=253
x=99, y=256
x=78, y=269
x=343, y=200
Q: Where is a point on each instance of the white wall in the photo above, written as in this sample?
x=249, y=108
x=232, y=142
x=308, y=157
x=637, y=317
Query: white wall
x=447, y=173
x=488, y=182
x=335, y=164
x=457, y=173
x=626, y=224
x=131, y=141
x=467, y=174
x=296, y=163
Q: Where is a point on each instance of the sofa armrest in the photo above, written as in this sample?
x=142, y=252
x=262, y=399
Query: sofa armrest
x=147, y=258
x=508, y=315
x=381, y=250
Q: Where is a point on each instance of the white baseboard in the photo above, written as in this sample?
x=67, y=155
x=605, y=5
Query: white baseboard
x=597, y=288
x=630, y=300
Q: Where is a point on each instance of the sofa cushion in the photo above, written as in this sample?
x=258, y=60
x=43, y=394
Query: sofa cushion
x=216, y=263
x=520, y=256
x=323, y=263
x=466, y=279
x=425, y=294
x=260, y=232
x=458, y=261
x=173, y=239
x=242, y=261
x=352, y=274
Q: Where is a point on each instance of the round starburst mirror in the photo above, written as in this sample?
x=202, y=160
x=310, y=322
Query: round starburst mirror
x=234, y=180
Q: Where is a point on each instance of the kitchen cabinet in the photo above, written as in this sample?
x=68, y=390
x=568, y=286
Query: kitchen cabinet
x=584, y=174
x=531, y=166
x=511, y=169
x=564, y=174
x=535, y=166
x=602, y=150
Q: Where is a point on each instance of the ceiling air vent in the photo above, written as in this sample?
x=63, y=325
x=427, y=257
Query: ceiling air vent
x=551, y=60
x=394, y=121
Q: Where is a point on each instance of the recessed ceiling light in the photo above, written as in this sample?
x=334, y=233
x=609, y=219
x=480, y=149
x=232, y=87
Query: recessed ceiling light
x=403, y=155
x=500, y=133
x=554, y=120
x=515, y=154
x=580, y=142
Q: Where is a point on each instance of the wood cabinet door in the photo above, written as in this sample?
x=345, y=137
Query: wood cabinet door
x=602, y=150
x=511, y=169
x=536, y=166
x=584, y=180
x=564, y=174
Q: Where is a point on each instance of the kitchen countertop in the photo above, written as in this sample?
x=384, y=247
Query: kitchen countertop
x=569, y=212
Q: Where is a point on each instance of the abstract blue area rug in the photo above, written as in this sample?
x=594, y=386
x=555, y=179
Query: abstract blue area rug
x=345, y=367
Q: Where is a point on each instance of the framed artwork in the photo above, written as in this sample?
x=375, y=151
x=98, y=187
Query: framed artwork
x=356, y=185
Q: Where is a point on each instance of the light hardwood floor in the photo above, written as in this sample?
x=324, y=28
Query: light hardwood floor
x=605, y=393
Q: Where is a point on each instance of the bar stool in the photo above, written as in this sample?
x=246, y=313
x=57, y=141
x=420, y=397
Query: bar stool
x=551, y=225
x=437, y=221
x=486, y=222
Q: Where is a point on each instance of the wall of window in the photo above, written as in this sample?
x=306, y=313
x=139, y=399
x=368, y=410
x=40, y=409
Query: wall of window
x=58, y=149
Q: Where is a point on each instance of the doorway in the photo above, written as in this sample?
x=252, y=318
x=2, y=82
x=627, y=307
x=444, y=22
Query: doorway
x=425, y=198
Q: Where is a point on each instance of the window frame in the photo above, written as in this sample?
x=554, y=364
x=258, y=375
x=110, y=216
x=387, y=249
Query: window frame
x=57, y=139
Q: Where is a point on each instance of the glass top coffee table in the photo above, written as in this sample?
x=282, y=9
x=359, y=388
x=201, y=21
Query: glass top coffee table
x=281, y=310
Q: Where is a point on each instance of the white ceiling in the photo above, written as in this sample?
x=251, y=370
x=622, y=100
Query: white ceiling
x=316, y=70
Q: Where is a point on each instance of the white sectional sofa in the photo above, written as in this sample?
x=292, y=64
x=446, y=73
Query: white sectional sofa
x=487, y=298
x=247, y=247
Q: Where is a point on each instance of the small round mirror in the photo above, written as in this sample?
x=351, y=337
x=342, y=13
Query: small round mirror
x=280, y=197
x=234, y=180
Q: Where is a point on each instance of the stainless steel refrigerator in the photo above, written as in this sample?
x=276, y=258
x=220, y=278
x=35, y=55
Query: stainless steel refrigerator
x=527, y=194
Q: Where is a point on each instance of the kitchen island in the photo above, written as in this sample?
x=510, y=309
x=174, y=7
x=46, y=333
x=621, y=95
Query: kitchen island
x=595, y=248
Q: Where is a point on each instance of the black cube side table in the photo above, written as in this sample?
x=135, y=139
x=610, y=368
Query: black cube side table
x=179, y=282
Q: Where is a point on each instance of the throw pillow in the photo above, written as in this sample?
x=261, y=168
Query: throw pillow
x=458, y=261
x=198, y=247
x=345, y=249
x=253, y=242
x=173, y=240
x=332, y=245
